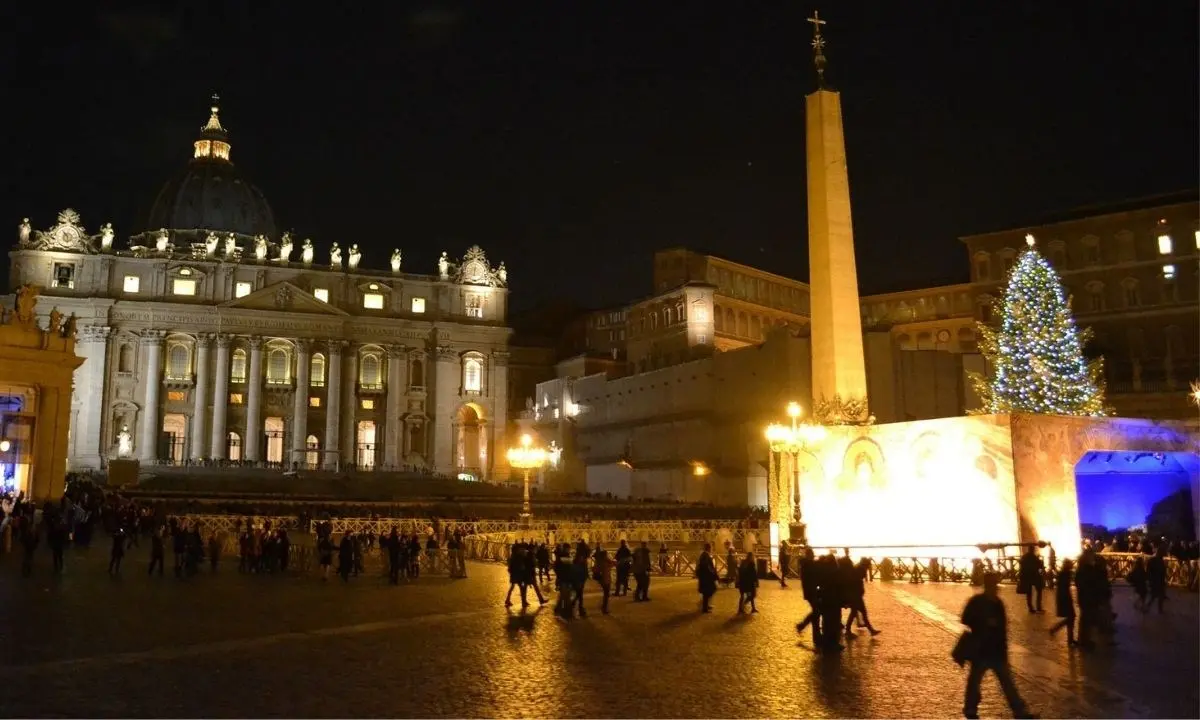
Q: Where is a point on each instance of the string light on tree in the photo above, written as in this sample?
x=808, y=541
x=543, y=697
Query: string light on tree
x=1036, y=356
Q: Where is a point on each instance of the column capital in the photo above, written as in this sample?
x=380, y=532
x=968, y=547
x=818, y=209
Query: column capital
x=396, y=352
x=445, y=353
x=223, y=340
x=255, y=342
x=336, y=347
x=500, y=358
x=303, y=345
x=204, y=339
x=94, y=333
x=152, y=337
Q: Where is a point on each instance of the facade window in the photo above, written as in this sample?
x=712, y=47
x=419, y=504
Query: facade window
x=667, y=317
x=242, y=289
x=701, y=339
x=368, y=404
x=177, y=362
x=418, y=305
x=237, y=372
x=125, y=359
x=176, y=396
x=416, y=375
x=1132, y=297
x=316, y=371
x=472, y=375
x=373, y=301
x=64, y=275
x=314, y=402
x=321, y=294
x=278, y=367
x=133, y=283
x=1168, y=271
x=1164, y=245
x=370, y=375
x=1198, y=239
x=1058, y=255
x=236, y=398
x=475, y=306
x=1095, y=296
x=1006, y=264
x=1170, y=292
x=983, y=268
x=1091, y=250
x=180, y=286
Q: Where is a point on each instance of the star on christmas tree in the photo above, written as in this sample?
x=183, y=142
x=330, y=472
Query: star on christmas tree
x=1036, y=355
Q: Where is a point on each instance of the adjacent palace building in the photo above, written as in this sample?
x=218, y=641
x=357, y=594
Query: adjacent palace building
x=211, y=337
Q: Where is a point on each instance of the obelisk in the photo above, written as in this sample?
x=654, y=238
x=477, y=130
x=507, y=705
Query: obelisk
x=839, y=382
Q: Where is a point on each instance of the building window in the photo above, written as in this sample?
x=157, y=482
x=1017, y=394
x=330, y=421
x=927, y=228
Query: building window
x=475, y=306
x=1096, y=296
x=237, y=371
x=1091, y=250
x=125, y=359
x=278, y=367
x=242, y=289
x=236, y=398
x=1170, y=293
x=472, y=375
x=321, y=294
x=369, y=374
x=133, y=283
x=316, y=371
x=416, y=376
x=1168, y=271
x=1132, y=298
x=983, y=268
x=368, y=404
x=373, y=301
x=177, y=362
x=667, y=317
x=179, y=286
x=418, y=305
x=64, y=275
x=1198, y=239
x=176, y=396
x=1058, y=255
x=701, y=339
x=1164, y=244
x=314, y=402
x=1006, y=264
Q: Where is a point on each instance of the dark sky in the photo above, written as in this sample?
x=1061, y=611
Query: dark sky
x=572, y=139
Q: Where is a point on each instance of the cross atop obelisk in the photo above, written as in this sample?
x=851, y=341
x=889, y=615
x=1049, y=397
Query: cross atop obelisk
x=818, y=46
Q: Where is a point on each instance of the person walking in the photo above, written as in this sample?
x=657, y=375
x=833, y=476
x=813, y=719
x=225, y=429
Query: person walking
x=857, y=598
x=1064, y=606
x=1031, y=579
x=985, y=615
x=602, y=574
x=157, y=553
x=624, y=557
x=747, y=583
x=641, y=573
x=810, y=587
x=1156, y=576
x=785, y=564
x=118, y=552
x=706, y=578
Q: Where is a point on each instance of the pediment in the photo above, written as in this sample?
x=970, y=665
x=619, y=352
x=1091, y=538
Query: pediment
x=284, y=297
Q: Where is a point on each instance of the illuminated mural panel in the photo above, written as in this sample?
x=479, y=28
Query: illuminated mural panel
x=947, y=481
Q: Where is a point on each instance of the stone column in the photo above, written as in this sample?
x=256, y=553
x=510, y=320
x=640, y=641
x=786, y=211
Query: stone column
x=89, y=397
x=498, y=388
x=152, y=340
x=252, y=440
x=397, y=389
x=201, y=393
x=333, y=404
x=349, y=446
x=219, y=449
x=447, y=381
x=300, y=402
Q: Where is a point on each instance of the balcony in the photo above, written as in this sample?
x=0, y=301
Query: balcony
x=371, y=388
x=178, y=380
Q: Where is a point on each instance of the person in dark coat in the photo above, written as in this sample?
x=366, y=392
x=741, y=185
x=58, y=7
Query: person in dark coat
x=624, y=558
x=706, y=578
x=156, y=551
x=118, y=552
x=810, y=587
x=1031, y=579
x=785, y=564
x=984, y=614
x=579, y=576
x=529, y=574
x=747, y=584
x=641, y=573
x=1138, y=580
x=392, y=545
x=1064, y=606
x=346, y=557
x=1156, y=575
x=516, y=574
x=831, y=600
x=857, y=597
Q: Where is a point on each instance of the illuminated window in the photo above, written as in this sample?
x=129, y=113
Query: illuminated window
x=183, y=287
x=475, y=306
x=1168, y=271
x=373, y=301
x=133, y=283
x=278, y=367
x=178, y=362
x=472, y=375
x=701, y=339
x=186, y=272
x=176, y=396
x=1198, y=239
x=243, y=289
x=370, y=373
x=316, y=371
x=321, y=294
x=1164, y=244
x=701, y=314
x=64, y=275
x=235, y=398
x=368, y=404
x=314, y=402
x=418, y=305
x=238, y=368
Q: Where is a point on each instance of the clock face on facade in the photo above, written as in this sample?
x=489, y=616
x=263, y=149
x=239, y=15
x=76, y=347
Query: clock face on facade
x=474, y=272
x=943, y=336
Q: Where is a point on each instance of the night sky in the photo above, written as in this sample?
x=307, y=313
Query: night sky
x=574, y=139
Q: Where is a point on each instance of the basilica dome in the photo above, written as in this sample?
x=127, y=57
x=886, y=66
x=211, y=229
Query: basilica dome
x=210, y=193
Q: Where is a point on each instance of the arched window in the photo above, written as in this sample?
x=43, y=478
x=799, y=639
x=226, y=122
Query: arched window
x=316, y=370
x=983, y=266
x=312, y=456
x=1095, y=291
x=666, y=317
x=743, y=325
x=125, y=358
x=369, y=375
x=178, y=359
x=718, y=319
x=730, y=323
x=278, y=367
x=237, y=369
x=1133, y=298
x=757, y=331
x=472, y=375
x=416, y=378
x=1006, y=262
x=235, y=447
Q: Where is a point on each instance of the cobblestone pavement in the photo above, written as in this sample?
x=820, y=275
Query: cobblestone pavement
x=233, y=645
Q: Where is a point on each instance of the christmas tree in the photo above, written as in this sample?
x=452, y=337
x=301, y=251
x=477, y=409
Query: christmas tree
x=1036, y=356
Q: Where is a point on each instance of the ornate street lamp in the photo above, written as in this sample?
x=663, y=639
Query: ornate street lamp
x=791, y=440
x=526, y=457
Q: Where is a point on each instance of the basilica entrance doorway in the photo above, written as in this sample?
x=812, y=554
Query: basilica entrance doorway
x=365, y=442
x=471, y=446
x=273, y=429
x=174, y=436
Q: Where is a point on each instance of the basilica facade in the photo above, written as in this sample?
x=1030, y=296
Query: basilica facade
x=209, y=337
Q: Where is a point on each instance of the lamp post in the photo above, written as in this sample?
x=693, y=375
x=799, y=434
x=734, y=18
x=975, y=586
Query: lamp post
x=526, y=457
x=791, y=440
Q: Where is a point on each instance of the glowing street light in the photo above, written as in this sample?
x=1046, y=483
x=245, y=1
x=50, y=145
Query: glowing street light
x=526, y=457
x=791, y=440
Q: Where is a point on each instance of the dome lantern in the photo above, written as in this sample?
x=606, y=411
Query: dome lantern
x=214, y=141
